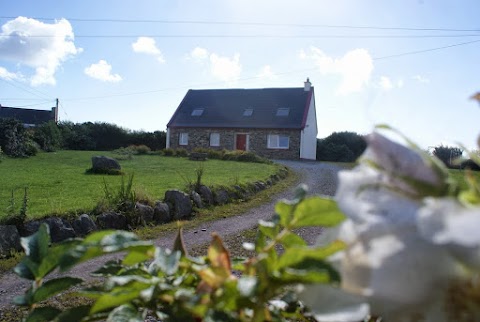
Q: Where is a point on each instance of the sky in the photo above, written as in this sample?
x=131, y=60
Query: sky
x=412, y=64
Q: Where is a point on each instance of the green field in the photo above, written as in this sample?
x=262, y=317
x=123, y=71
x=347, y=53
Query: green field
x=57, y=183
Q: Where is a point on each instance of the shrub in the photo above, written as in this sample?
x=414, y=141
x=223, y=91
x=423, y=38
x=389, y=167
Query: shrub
x=14, y=138
x=140, y=149
x=169, y=152
x=448, y=155
x=340, y=147
x=48, y=136
x=181, y=152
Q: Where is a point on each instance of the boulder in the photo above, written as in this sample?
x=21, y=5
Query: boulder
x=84, y=225
x=112, y=220
x=60, y=229
x=206, y=194
x=260, y=185
x=197, y=200
x=101, y=162
x=9, y=240
x=241, y=193
x=179, y=203
x=221, y=197
x=145, y=212
x=161, y=213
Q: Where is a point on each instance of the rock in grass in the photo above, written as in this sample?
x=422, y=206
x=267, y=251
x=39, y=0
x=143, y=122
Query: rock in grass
x=179, y=203
x=84, y=225
x=221, y=197
x=206, y=194
x=9, y=239
x=112, y=220
x=161, y=213
x=60, y=229
x=145, y=212
x=197, y=200
x=104, y=165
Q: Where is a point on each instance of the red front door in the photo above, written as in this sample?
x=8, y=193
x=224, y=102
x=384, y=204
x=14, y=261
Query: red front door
x=241, y=142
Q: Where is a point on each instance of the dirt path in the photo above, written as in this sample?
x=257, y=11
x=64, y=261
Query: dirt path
x=320, y=177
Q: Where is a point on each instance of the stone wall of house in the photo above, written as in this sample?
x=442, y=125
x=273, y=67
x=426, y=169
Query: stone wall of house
x=257, y=141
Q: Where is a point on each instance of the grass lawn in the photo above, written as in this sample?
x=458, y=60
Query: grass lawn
x=57, y=183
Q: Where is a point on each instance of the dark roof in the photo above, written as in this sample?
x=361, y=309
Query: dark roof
x=27, y=116
x=224, y=108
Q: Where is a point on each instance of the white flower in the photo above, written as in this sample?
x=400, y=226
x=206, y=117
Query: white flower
x=392, y=259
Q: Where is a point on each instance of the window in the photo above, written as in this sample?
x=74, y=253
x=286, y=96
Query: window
x=214, y=139
x=283, y=111
x=278, y=141
x=248, y=112
x=183, y=139
x=198, y=112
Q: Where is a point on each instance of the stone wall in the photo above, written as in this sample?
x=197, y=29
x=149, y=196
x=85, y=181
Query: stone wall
x=200, y=138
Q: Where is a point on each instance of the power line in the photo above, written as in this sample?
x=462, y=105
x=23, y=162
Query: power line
x=281, y=73
x=244, y=23
x=24, y=89
x=17, y=35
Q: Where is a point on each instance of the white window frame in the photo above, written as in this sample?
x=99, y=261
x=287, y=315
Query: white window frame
x=183, y=138
x=274, y=141
x=214, y=139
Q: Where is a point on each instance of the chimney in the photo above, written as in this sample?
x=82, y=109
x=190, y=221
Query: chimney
x=307, y=86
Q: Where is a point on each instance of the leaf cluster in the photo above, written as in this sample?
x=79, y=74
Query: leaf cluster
x=173, y=286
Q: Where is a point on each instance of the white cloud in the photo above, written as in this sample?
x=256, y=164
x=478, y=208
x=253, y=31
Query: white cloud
x=221, y=67
x=266, y=72
x=102, y=71
x=355, y=68
x=385, y=83
x=400, y=83
x=5, y=74
x=147, y=45
x=421, y=79
x=225, y=68
x=199, y=53
x=21, y=42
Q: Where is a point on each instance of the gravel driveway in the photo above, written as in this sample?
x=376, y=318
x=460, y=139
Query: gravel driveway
x=321, y=178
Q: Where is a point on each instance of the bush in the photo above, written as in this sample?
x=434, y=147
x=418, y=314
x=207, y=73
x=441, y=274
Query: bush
x=470, y=164
x=48, y=136
x=169, y=152
x=14, y=139
x=140, y=149
x=340, y=147
x=181, y=153
x=448, y=155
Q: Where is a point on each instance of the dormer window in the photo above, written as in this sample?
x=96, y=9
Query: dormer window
x=198, y=112
x=283, y=111
x=248, y=112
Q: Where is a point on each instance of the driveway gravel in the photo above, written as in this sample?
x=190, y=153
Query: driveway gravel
x=321, y=178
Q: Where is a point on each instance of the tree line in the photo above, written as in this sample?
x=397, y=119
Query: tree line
x=18, y=141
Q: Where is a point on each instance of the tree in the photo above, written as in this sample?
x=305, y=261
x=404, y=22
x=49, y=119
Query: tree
x=48, y=136
x=14, y=139
x=340, y=147
x=447, y=154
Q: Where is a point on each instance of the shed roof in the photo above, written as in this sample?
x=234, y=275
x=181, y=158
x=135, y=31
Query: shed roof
x=244, y=108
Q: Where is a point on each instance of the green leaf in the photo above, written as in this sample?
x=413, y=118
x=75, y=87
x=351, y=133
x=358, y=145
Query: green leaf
x=284, y=209
x=316, y=211
x=165, y=261
x=268, y=228
x=42, y=314
x=53, y=258
x=295, y=255
x=129, y=290
x=24, y=271
x=21, y=300
x=290, y=239
x=138, y=255
x=311, y=270
x=75, y=314
x=125, y=313
x=110, y=268
x=53, y=287
x=36, y=245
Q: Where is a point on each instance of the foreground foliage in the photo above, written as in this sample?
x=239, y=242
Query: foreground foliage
x=173, y=286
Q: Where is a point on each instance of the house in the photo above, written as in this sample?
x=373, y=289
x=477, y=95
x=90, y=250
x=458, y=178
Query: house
x=276, y=123
x=29, y=117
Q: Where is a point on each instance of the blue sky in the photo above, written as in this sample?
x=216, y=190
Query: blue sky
x=137, y=75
